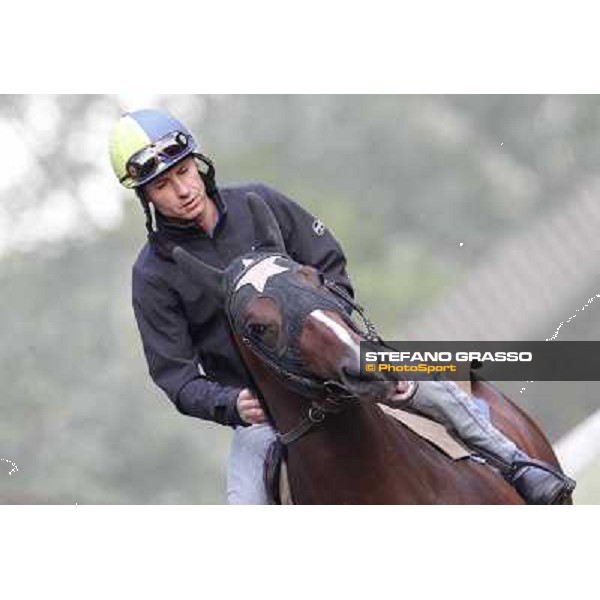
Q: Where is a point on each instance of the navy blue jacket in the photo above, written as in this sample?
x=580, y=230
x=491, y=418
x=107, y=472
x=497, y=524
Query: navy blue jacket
x=188, y=345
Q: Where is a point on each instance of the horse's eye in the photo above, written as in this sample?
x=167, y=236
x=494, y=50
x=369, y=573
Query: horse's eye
x=257, y=329
x=267, y=334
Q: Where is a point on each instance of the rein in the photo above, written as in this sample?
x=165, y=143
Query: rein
x=371, y=334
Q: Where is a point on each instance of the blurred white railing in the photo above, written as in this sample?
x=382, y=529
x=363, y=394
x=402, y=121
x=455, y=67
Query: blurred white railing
x=581, y=446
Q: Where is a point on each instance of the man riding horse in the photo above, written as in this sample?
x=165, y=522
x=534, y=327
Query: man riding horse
x=187, y=341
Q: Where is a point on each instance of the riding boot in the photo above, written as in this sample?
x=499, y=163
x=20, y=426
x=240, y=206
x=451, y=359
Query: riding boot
x=539, y=482
x=536, y=481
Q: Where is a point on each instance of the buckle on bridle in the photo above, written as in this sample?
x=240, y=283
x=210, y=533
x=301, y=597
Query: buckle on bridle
x=316, y=414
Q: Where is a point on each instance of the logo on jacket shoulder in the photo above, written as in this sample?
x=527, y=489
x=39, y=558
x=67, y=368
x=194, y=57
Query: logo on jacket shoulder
x=318, y=227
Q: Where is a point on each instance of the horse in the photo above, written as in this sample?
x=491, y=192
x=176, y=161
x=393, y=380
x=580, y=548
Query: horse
x=295, y=334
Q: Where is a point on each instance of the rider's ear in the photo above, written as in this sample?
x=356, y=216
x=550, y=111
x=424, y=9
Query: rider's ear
x=267, y=234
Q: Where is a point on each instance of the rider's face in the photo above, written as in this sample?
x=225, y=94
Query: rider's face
x=179, y=192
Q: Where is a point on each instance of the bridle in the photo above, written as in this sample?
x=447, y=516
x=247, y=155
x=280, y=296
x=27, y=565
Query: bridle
x=328, y=397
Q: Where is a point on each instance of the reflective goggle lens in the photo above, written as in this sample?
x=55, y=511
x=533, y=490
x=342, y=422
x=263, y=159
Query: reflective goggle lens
x=147, y=161
x=174, y=147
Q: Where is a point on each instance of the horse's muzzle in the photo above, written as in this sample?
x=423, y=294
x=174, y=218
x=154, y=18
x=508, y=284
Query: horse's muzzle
x=367, y=385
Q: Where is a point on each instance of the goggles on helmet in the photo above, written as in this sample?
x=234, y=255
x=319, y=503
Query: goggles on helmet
x=152, y=159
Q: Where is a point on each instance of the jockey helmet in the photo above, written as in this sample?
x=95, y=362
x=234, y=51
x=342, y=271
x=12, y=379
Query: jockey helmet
x=145, y=143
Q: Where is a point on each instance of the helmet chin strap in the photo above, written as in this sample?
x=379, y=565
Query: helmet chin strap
x=209, y=177
x=148, y=212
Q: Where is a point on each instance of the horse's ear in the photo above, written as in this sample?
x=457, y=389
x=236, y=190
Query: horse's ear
x=210, y=278
x=267, y=234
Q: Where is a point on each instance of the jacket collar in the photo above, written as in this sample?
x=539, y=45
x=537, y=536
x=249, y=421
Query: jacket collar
x=175, y=229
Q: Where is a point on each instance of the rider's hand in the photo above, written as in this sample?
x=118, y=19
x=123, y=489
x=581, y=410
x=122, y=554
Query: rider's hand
x=404, y=391
x=249, y=408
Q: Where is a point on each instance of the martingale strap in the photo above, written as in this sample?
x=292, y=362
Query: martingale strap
x=316, y=415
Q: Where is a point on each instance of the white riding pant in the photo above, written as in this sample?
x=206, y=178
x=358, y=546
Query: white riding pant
x=447, y=403
x=245, y=483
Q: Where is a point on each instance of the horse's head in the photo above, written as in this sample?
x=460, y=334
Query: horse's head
x=290, y=317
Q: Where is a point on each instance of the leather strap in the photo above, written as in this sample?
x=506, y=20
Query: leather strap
x=316, y=415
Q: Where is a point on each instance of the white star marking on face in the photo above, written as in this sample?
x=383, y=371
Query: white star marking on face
x=260, y=273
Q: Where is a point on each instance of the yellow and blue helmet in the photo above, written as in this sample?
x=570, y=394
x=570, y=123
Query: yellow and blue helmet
x=145, y=143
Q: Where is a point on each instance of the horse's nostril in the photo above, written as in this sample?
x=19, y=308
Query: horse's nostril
x=355, y=374
x=351, y=370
